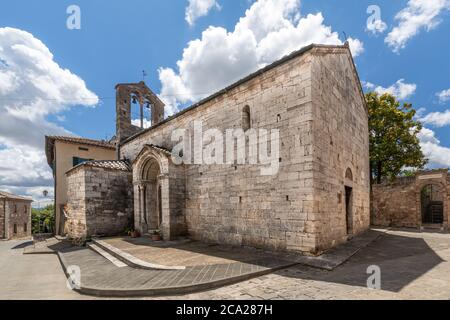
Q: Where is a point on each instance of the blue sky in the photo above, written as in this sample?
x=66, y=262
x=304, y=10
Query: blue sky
x=119, y=39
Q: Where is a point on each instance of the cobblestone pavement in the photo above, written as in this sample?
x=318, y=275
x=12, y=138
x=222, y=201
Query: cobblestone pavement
x=413, y=266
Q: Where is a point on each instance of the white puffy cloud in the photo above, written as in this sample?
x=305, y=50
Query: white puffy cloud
x=437, y=119
x=269, y=30
x=400, y=89
x=438, y=155
x=417, y=15
x=199, y=8
x=444, y=96
x=137, y=123
x=32, y=87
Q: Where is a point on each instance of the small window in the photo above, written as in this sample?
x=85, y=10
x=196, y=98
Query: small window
x=15, y=228
x=246, y=118
x=25, y=227
x=15, y=208
x=26, y=209
x=83, y=149
x=77, y=161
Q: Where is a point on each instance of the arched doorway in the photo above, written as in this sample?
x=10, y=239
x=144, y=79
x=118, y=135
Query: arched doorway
x=349, y=201
x=151, y=195
x=432, y=204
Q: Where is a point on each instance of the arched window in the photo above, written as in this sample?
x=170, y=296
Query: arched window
x=246, y=119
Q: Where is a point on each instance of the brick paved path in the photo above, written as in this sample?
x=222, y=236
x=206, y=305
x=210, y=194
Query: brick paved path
x=413, y=266
x=100, y=277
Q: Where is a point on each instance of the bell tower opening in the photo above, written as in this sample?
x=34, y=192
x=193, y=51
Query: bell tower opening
x=129, y=122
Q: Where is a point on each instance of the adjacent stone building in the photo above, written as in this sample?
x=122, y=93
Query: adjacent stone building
x=63, y=153
x=419, y=201
x=100, y=199
x=317, y=197
x=15, y=216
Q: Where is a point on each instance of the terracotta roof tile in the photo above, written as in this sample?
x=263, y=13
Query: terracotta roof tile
x=105, y=164
x=98, y=143
x=7, y=195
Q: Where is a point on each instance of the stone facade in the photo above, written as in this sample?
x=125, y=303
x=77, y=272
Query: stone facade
x=100, y=199
x=400, y=203
x=320, y=195
x=15, y=217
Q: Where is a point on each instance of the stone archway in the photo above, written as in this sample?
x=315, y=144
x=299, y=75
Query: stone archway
x=150, y=186
x=349, y=201
x=151, y=189
x=432, y=204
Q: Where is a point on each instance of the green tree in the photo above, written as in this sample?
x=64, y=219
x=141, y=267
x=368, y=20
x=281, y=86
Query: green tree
x=43, y=220
x=394, y=144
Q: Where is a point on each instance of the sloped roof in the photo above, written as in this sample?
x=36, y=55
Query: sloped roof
x=7, y=195
x=104, y=164
x=275, y=64
x=50, y=143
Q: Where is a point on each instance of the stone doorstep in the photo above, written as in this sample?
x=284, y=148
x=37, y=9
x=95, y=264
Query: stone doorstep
x=131, y=260
x=337, y=256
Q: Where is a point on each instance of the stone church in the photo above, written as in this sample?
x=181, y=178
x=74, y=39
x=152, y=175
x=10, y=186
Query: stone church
x=316, y=199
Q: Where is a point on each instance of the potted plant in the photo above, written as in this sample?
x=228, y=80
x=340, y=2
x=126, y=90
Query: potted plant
x=128, y=231
x=135, y=234
x=156, y=235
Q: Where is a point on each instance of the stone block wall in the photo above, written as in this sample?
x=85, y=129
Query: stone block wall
x=18, y=222
x=100, y=202
x=235, y=204
x=398, y=203
x=2, y=218
x=341, y=143
x=321, y=117
x=395, y=204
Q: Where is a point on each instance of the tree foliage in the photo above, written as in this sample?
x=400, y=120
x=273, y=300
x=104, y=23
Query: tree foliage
x=394, y=144
x=43, y=220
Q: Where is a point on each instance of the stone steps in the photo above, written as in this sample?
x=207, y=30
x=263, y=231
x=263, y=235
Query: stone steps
x=130, y=260
x=118, y=263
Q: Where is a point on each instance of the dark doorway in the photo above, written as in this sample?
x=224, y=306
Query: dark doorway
x=349, y=209
x=432, y=205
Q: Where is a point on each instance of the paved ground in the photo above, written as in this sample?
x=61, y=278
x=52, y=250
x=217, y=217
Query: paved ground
x=100, y=277
x=31, y=276
x=413, y=266
x=184, y=253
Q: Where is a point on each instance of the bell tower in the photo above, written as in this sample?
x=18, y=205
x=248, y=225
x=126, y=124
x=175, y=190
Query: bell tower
x=136, y=93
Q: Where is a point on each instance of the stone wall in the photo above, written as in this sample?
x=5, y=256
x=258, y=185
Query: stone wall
x=341, y=143
x=236, y=204
x=18, y=219
x=2, y=218
x=239, y=206
x=398, y=203
x=394, y=204
x=100, y=202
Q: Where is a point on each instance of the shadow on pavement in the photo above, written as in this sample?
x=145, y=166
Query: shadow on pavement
x=401, y=260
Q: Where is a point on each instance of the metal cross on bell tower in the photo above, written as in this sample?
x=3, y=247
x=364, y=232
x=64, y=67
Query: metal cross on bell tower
x=144, y=74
